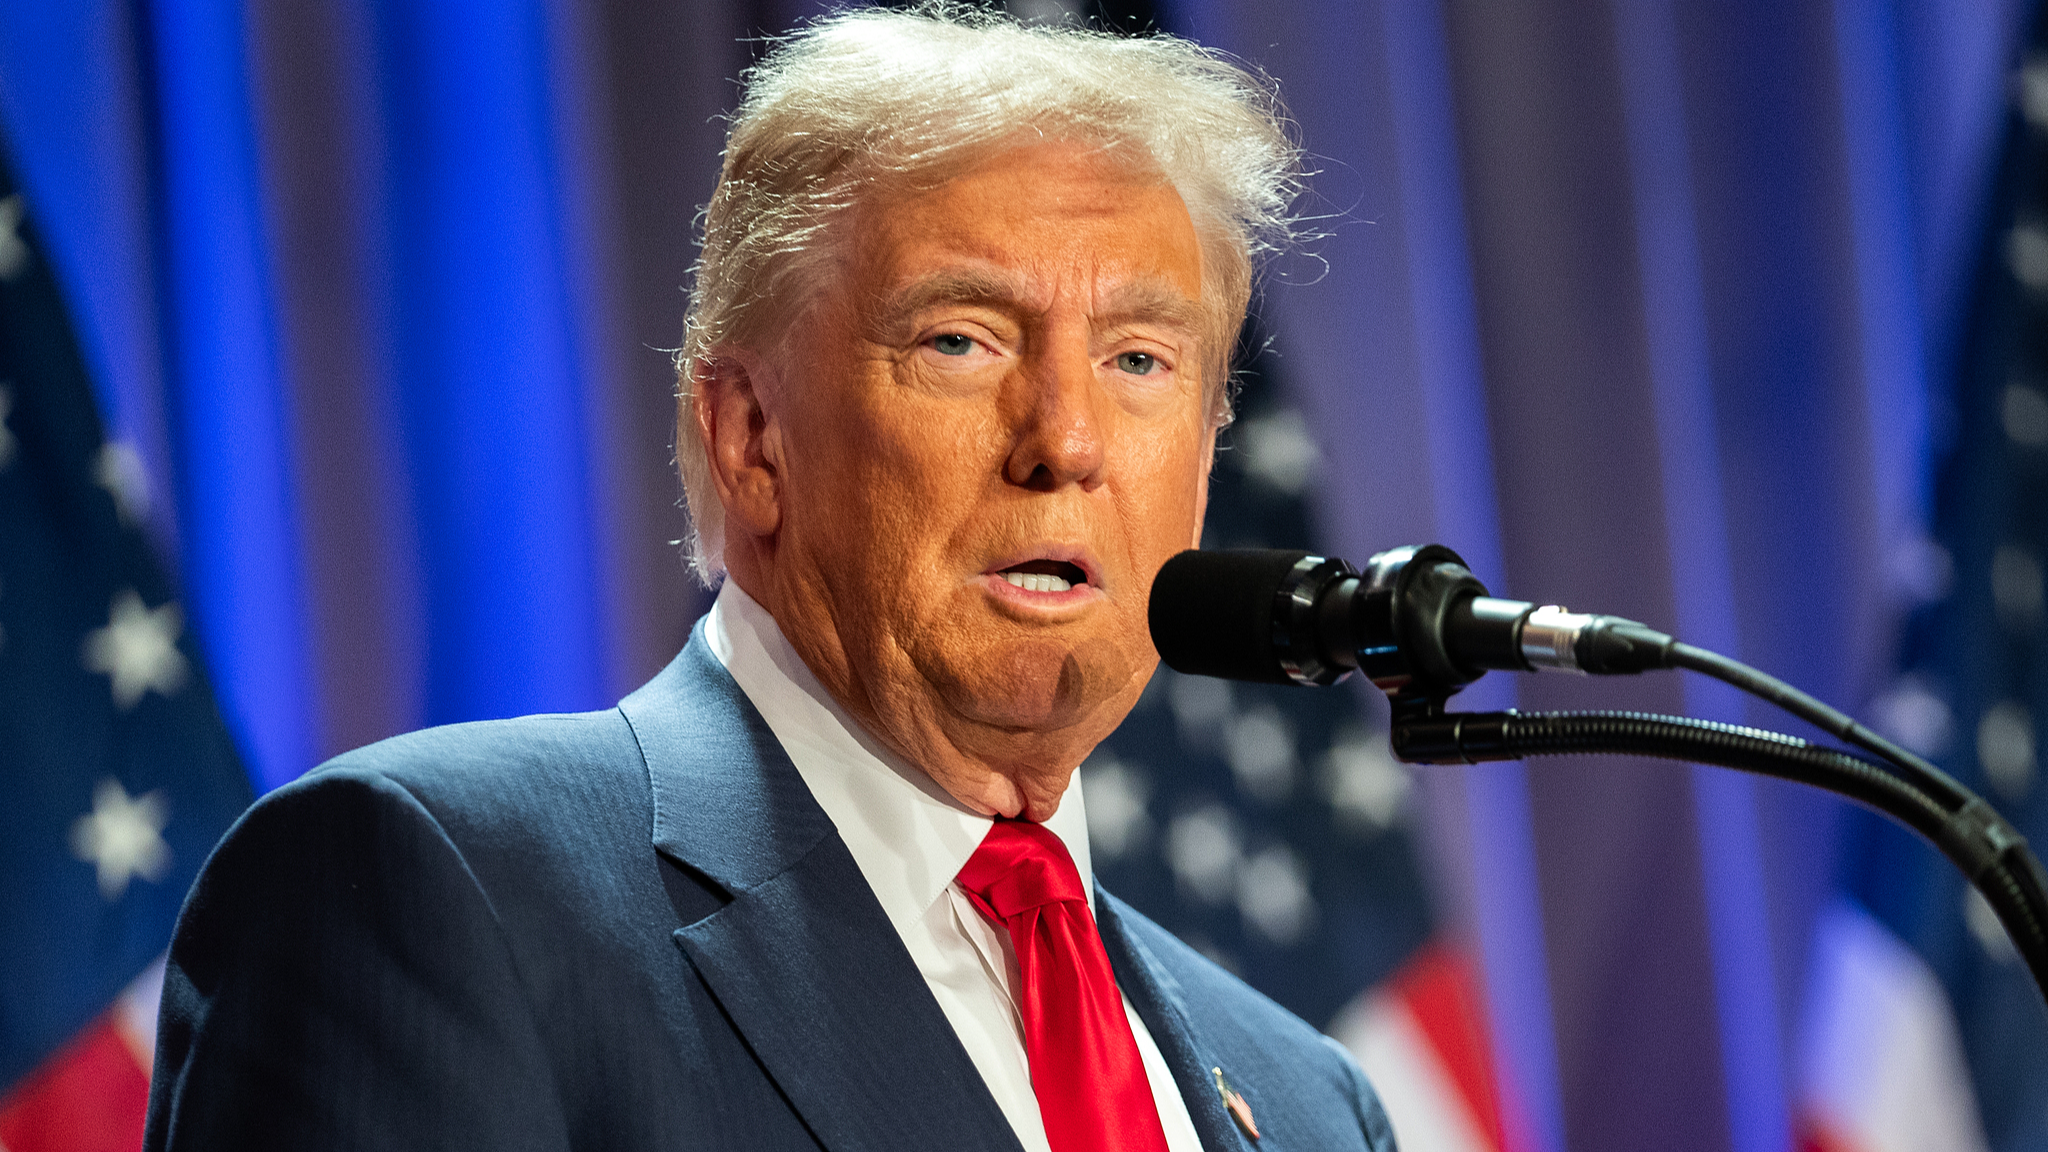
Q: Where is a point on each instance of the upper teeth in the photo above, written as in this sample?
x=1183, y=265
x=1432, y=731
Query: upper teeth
x=1036, y=582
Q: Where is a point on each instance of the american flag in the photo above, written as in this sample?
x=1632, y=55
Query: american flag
x=1920, y=997
x=116, y=773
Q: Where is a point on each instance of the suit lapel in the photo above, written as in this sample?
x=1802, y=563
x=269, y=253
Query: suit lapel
x=809, y=969
x=802, y=959
x=1162, y=1006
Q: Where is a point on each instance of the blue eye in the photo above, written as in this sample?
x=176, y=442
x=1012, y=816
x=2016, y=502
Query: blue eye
x=953, y=344
x=1137, y=363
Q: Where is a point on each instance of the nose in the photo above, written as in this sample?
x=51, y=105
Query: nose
x=1059, y=427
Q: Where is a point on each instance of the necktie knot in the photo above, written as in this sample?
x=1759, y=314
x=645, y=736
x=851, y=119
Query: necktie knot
x=1021, y=866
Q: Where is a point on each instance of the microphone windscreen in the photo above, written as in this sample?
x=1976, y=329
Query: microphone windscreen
x=1212, y=613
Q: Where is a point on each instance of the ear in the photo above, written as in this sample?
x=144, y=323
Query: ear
x=742, y=441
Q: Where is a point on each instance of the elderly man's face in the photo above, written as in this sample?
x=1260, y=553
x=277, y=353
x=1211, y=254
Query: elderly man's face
x=963, y=471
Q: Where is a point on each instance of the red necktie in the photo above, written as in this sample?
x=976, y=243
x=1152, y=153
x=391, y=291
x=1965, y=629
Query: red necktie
x=1085, y=1068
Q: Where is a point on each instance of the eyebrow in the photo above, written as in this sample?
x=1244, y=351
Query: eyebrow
x=952, y=286
x=1153, y=302
x=1140, y=301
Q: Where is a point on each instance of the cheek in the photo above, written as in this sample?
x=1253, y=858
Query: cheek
x=892, y=455
x=925, y=469
x=1166, y=493
x=892, y=490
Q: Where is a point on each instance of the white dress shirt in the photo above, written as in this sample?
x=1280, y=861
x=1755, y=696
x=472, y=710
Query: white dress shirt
x=910, y=839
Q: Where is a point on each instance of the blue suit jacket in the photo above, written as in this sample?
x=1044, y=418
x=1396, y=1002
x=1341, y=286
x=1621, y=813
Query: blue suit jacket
x=631, y=929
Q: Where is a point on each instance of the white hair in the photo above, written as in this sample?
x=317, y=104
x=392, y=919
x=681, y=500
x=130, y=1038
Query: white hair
x=867, y=101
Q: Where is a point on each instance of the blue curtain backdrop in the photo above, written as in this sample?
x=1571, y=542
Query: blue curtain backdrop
x=1646, y=308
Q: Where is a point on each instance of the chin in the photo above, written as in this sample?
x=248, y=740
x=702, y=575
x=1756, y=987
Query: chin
x=1043, y=685
x=1041, y=756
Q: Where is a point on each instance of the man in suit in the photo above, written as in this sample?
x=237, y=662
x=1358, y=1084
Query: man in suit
x=954, y=368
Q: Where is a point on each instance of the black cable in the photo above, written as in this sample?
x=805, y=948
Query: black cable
x=1972, y=835
x=1924, y=775
x=1975, y=836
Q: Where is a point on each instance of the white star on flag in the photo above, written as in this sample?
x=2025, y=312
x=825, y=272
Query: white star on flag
x=1365, y=785
x=1280, y=450
x=138, y=649
x=1204, y=850
x=119, y=470
x=1273, y=895
x=1117, y=821
x=122, y=837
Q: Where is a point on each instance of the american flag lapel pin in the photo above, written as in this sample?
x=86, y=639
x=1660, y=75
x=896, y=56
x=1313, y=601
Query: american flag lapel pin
x=1235, y=1105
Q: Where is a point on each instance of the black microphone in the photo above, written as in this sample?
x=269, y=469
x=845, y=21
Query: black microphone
x=1415, y=622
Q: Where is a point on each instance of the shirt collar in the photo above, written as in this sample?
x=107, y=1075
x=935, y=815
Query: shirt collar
x=908, y=836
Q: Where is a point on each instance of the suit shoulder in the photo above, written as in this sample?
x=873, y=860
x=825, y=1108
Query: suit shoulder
x=549, y=818
x=491, y=748
x=527, y=788
x=498, y=763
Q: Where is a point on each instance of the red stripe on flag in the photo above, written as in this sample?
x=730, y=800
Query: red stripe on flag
x=1441, y=993
x=88, y=1097
x=1815, y=1136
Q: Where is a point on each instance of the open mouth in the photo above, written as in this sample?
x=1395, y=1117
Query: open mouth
x=1045, y=575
